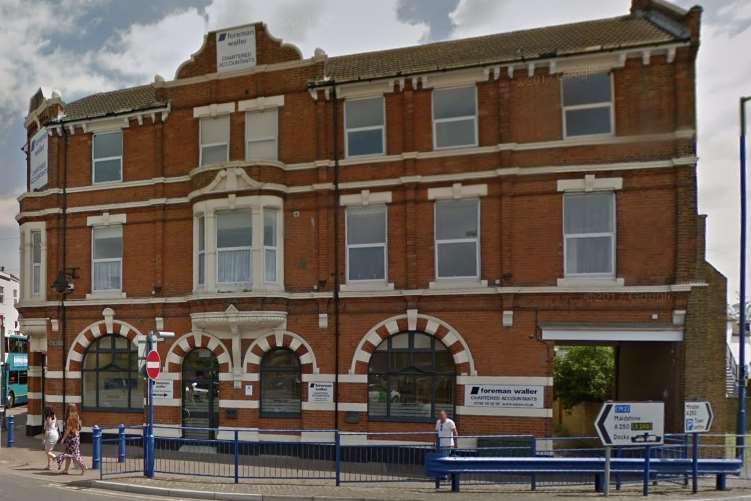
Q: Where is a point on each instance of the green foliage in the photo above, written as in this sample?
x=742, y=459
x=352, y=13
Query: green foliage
x=584, y=374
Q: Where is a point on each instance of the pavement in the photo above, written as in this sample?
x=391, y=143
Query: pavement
x=22, y=476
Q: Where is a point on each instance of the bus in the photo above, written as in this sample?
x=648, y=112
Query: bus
x=15, y=386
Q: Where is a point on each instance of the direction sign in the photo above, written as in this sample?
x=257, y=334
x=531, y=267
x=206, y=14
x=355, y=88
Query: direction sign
x=631, y=423
x=697, y=417
x=153, y=364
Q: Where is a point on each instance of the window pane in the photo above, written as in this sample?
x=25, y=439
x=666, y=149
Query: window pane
x=444, y=361
x=113, y=388
x=108, y=145
x=365, y=142
x=400, y=341
x=136, y=390
x=444, y=394
x=280, y=393
x=457, y=259
x=367, y=263
x=269, y=227
x=586, y=89
x=261, y=150
x=215, y=130
x=107, y=170
x=457, y=133
x=201, y=268
x=214, y=154
x=233, y=229
x=260, y=124
x=456, y=219
x=36, y=279
x=233, y=266
x=201, y=233
x=588, y=213
x=89, y=389
x=36, y=246
x=364, y=112
x=411, y=397
x=588, y=121
x=107, y=275
x=422, y=341
x=366, y=225
x=378, y=362
x=589, y=255
x=451, y=103
x=108, y=242
x=280, y=359
x=270, y=265
x=378, y=395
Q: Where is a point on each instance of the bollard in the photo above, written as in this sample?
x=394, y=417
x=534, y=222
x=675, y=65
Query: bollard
x=10, y=435
x=121, y=443
x=96, y=447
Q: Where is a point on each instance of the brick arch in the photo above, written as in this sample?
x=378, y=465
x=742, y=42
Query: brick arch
x=280, y=339
x=93, y=332
x=191, y=341
x=428, y=324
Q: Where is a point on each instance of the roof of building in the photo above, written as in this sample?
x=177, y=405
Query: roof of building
x=550, y=41
x=111, y=103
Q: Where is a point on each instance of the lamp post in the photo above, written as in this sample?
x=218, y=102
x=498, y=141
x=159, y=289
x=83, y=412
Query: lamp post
x=741, y=441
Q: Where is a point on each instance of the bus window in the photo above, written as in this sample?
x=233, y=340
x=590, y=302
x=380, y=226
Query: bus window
x=13, y=377
x=22, y=377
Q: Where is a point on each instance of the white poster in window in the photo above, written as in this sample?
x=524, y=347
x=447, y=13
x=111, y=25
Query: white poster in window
x=38, y=160
x=321, y=392
x=163, y=391
x=504, y=395
x=236, y=49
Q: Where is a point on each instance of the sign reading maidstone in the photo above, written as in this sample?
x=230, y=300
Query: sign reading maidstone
x=504, y=395
x=631, y=423
x=697, y=417
x=236, y=49
x=38, y=160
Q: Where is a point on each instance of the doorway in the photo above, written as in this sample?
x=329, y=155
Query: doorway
x=200, y=394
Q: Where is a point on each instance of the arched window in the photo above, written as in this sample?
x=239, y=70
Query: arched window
x=280, y=383
x=110, y=375
x=411, y=377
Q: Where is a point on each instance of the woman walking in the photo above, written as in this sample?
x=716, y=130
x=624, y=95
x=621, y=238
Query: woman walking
x=71, y=442
x=51, y=434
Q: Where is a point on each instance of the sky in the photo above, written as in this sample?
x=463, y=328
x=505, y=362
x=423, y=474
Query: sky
x=79, y=47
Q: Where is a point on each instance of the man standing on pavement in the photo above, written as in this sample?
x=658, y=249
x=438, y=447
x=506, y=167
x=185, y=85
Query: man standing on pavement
x=446, y=429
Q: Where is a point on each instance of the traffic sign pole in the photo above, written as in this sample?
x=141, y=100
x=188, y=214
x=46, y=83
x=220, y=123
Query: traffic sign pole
x=606, y=480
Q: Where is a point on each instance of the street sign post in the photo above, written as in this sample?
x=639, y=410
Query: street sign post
x=631, y=423
x=697, y=417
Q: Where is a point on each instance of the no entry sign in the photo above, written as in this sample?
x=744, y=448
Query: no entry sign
x=153, y=364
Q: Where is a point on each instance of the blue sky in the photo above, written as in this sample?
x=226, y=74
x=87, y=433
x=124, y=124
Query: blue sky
x=80, y=47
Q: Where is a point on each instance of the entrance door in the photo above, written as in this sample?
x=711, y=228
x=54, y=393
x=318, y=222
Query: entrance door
x=200, y=395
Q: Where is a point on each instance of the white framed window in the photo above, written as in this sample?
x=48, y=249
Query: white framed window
x=2, y=294
x=107, y=258
x=201, y=250
x=589, y=234
x=365, y=130
x=214, y=139
x=270, y=244
x=366, y=236
x=457, y=238
x=587, y=103
x=107, y=154
x=455, y=117
x=234, y=244
x=36, y=262
x=261, y=132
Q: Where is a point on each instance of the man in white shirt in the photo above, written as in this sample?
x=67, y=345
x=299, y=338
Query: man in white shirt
x=446, y=429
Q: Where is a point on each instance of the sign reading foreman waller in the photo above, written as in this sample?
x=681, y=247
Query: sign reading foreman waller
x=504, y=395
x=38, y=160
x=236, y=49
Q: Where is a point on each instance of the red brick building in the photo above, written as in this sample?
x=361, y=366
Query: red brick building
x=360, y=241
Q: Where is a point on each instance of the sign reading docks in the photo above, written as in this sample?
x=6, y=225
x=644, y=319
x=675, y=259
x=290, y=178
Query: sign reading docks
x=236, y=49
x=631, y=423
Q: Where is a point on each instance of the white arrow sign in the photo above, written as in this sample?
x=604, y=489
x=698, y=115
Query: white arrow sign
x=697, y=417
x=631, y=423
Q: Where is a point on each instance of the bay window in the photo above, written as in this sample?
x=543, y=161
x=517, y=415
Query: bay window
x=108, y=157
x=364, y=121
x=234, y=240
x=589, y=234
x=36, y=262
x=107, y=258
x=214, y=139
x=454, y=117
x=457, y=238
x=366, y=243
x=587, y=104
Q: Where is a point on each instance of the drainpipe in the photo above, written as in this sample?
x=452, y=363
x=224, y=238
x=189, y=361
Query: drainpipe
x=335, y=121
x=742, y=320
x=62, y=326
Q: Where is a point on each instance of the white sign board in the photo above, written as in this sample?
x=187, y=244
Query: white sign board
x=697, y=417
x=38, y=160
x=321, y=392
x=631, y=423
x=236, y=49
x=248, y=390
x=504, y=395
x=163, y=391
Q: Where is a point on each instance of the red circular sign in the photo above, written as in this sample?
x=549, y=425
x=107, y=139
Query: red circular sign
x=153, y=364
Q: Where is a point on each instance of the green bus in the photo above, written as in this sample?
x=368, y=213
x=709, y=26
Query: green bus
x=15, y=386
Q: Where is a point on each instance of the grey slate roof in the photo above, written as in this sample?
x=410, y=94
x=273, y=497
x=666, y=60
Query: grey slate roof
x=112, y=103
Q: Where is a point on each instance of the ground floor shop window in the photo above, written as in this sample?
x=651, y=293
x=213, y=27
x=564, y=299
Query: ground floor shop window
x=110, y=375
x=280, y=383
x=411, y=377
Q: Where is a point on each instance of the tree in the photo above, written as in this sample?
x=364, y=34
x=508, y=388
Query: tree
x=584, y=374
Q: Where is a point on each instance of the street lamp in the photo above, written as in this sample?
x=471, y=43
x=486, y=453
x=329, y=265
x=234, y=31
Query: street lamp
x=741, y=441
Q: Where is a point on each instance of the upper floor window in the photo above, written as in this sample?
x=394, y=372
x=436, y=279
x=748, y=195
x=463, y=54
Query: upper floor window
x=107, y=258
x=366, y=243
x=587, y=104
x=201, y=250
x=261, y=135
x=589, y=233
x=270, y=244
x=234, y=241
x=280, y=383
x=214, y=140
x=36, y=262
x=365, y=123
x=2, y=294
x=455, y=117
x=457, y=238
x=108, y=157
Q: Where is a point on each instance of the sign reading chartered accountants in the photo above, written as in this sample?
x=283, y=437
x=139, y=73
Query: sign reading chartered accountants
x=504, y=395
x=38, y=160
x=236, y=49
